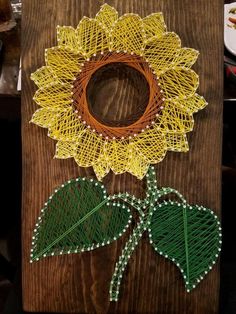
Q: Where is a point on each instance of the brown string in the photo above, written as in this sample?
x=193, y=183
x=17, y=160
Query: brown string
x=83, y=109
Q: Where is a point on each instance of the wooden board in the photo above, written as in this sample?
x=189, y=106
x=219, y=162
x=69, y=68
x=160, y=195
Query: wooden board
x=79, y=283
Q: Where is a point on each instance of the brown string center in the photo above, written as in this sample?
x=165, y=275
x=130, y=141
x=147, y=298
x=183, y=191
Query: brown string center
x=117, y=95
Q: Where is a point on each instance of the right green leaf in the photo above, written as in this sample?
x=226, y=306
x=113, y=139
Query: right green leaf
x=188, y=235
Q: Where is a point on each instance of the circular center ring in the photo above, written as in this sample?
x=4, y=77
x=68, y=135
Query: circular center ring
x=83, y=107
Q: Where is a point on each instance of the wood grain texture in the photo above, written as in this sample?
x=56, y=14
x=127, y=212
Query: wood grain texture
x=80, y=283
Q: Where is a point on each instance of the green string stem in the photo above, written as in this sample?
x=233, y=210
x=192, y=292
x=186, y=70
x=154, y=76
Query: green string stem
x=124, y=259
x=136, y=203
x=148, y=206
x=129, y=248
x=166, y=191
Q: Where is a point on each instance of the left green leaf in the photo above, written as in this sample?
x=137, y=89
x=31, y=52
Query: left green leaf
x=78, y=217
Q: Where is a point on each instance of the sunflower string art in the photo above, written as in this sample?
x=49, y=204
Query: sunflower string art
x=80, y=216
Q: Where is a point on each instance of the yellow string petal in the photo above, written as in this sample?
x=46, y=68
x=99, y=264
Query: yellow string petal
x=65, y=64
x=177, y=142
x=89, y=146
x=101, y=168
x=186, y=57
x=92, y=37
x=178, y=83
x=66, y=126
x=107, y=16
x=160, y=51
x=176, y=119
x=44, y=117
x=138, y=165
x=192, y=104
x=128, y=34
x=118, y=155
x=54, y=96
x=154, y=25
x=65, y=150
x=44, y=76
x=67, y=38
x=151, y=144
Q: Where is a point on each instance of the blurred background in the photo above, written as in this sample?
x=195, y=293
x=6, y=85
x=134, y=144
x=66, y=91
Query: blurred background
x=10, y=182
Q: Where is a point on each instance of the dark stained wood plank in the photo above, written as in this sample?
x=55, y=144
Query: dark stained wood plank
x=79, y=283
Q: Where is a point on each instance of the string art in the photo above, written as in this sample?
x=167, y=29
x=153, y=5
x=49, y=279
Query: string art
x=80, y=216
x=146, y=46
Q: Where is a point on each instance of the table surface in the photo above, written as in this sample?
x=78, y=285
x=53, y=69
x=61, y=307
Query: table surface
x=79, y=283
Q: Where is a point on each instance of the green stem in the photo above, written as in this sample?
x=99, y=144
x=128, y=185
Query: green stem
x=153, y=194
x=126, y=253
x=152, y=197
x=137, y=203
x=166, y=191
x=124, y=258
x=151, y=180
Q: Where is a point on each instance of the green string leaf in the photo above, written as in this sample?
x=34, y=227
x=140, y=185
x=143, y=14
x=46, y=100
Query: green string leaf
x=188, y=235
x=78, y=217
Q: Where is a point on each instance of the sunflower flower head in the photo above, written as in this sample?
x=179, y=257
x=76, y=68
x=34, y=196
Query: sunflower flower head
x=142, y=44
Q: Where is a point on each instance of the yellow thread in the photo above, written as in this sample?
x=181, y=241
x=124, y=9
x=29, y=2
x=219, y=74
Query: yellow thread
x=129, y=35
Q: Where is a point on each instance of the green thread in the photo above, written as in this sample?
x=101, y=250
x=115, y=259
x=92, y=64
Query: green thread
x=136, y=203
x=129, y=248
x=167, y=191
x=68, y=224
x=124, y=259
x=186, y=240
x=190, y=236
x=71, y=229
